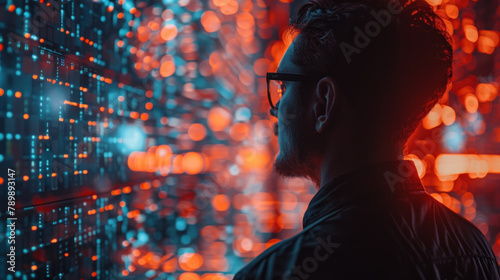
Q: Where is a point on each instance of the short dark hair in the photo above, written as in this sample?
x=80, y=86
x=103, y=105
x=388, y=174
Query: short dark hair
x=392, y=59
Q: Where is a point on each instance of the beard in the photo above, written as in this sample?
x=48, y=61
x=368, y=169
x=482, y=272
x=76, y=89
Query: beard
x=295, y=158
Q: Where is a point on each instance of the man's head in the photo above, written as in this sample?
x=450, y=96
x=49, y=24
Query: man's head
x=376, y=67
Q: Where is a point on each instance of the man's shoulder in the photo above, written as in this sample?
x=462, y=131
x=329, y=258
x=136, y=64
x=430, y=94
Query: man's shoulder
x=417, y=236
x=311, y=245
x=449, y=224
x=335, y=243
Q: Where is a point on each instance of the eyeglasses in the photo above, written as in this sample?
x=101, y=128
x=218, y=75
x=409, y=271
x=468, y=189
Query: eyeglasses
x=276, y=88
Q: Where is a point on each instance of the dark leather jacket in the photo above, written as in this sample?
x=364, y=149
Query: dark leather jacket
x=377, y=222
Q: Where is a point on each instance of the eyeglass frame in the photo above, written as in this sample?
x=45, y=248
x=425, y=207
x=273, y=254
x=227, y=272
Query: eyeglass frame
x=284, y=77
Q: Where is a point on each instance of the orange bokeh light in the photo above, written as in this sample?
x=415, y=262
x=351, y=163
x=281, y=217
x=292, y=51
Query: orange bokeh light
x=189, y=276
x=433, y=118
x=192, y=163
x=245, y=20
x=448, y=115
x=168, y=32
x=487, y=41
x=210, y=21
x=230, y=7
x=471, y=103
x=477, y=166
x=197, y=132
x=167, y=68
x=486, y=92
x=253, y=159
x=451, y=11
x=221, y=202
x=219, y=118
x=471, y=33
x=190, y=261
x=239, y=131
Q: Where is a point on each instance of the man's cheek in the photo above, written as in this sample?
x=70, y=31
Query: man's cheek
x=287, y=115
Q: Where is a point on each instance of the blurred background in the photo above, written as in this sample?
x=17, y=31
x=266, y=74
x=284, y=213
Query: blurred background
x=142, y=145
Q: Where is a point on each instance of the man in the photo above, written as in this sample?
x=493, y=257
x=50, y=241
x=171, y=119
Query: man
x=350, y=90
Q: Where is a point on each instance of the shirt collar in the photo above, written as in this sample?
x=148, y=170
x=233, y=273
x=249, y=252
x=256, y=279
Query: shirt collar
x=388, y=177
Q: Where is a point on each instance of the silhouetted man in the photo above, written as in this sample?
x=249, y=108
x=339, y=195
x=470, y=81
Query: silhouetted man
x=350, y=90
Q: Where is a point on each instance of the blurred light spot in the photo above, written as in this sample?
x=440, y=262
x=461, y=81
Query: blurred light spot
x=189, y=276
x=167, y=66
x=180, y=224
x=448, y=115
x=433, y=118
x=134, y=138
x=477, y=166
x=250, y=158
x=471, y=103
x=471, y=33
x=451, y=11
x=190, y=261
x=197, y=132
x=220, y=202
x=219, y=118
x=487, y=42
x=192, y=163
x=245, y=20
x=210, y=21
x=454, y=137
x=168, y=32
x=486, y=92
x=230, y=7
x=239, y=131
x=467, y=199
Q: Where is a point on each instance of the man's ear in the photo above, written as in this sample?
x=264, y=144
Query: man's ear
x=326, y=98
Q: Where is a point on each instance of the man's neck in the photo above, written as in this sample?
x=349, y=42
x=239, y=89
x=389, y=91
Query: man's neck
x=335, y=164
